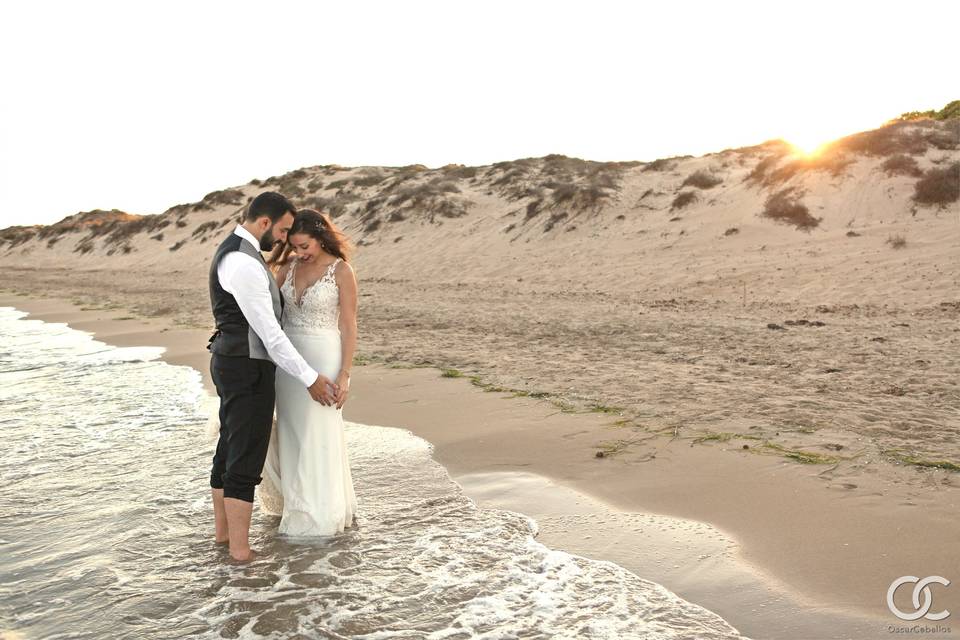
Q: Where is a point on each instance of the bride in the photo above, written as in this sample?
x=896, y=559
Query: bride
x=306, y=477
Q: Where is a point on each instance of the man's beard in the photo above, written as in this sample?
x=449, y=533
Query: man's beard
x=267, y=240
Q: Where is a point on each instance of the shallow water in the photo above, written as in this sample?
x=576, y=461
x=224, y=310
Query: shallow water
x=106, y=527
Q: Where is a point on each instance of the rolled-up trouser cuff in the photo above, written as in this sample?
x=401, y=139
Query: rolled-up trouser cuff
x=238, y=493
x=239, y=486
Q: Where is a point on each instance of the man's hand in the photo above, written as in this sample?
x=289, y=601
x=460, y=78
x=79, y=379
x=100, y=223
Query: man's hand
x=323, y=391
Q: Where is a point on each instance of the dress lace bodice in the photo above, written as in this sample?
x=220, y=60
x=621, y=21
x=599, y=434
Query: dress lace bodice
x=318, y=306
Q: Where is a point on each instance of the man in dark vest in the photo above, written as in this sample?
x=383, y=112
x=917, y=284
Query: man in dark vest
x=246, y=348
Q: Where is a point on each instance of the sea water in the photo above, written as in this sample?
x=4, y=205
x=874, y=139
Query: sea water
x=106, y=527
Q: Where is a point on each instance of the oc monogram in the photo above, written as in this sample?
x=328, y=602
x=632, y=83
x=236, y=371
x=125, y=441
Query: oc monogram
x=921, y=587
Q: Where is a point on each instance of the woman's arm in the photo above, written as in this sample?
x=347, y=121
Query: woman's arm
x=347, y=283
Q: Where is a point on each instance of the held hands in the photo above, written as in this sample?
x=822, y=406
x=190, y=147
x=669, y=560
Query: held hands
x=343, y=388
x=323, y=391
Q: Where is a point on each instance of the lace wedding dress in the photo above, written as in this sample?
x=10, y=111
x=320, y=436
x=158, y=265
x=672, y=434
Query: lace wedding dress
x=306, y=478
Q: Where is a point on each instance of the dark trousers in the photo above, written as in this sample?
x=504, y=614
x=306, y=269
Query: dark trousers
x=247, y=396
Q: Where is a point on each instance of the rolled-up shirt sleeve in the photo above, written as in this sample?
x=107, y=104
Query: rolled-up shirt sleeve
x=241, y=276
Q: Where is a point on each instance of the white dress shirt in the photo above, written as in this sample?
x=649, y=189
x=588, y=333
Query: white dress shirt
x=246, y=280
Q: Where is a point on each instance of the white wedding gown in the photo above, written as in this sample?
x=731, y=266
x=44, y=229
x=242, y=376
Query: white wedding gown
x=306, y=478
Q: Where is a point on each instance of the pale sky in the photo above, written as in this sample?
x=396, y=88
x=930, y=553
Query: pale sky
x=143, y=105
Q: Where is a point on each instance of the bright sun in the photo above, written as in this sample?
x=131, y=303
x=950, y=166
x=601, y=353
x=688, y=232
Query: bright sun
x=810, y=139
x=808, y=145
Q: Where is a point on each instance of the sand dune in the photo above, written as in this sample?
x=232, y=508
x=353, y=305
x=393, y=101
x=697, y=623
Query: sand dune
x=801, y=307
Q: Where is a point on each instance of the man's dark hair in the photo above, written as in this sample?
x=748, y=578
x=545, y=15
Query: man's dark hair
x=271, y=204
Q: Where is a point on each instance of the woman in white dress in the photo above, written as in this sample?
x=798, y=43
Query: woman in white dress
x=306, y=478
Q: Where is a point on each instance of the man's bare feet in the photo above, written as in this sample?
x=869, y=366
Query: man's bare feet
x=223, y=541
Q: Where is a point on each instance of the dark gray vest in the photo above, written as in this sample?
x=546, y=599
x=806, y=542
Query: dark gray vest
x=233, y=336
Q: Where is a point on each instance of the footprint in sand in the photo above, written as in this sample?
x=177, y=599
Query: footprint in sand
x=846, y=486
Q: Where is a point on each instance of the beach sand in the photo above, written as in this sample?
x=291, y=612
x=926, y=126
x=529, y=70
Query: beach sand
x=775, y=547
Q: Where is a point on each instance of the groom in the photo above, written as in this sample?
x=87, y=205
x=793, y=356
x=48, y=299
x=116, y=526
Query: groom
x=246, y=349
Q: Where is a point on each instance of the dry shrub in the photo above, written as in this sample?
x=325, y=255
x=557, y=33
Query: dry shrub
x=231, y=197
x=938, y=186
x=369, y=180
x=553, y=220
x=901, y=165
x=116, y=225
x=205, y=227
x=335, y=206
x=533, y=208
x=574, y=183
x=288, y=184
x=435, y=197
x=759, y=173
x=785, y=206
x=459, y=172
x=422, y=194
x=891, y=139
x=702, y=180
x=945, y=136
x=662, y=164
x=15, y=236
x=897, y=241
x=906, y=137
x=683, y=199
x=580, y=196
x=97, y=222
x=833, y=161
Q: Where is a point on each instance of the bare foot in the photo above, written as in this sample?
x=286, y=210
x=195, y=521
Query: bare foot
x=223, y=541
x=244, y=556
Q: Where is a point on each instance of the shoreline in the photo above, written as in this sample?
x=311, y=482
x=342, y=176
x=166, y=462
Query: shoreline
x=524, y=455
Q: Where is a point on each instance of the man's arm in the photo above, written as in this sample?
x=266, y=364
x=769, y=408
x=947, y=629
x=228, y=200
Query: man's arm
x=245, y=279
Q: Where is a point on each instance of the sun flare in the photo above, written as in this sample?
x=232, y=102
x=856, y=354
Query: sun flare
x=807, y=145
x=812, y=138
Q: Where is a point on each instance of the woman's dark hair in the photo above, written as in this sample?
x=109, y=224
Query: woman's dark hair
x=318, y=226
x=271, y=204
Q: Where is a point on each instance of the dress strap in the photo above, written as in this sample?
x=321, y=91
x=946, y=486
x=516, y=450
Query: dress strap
x=290, y=272
x=333, y=266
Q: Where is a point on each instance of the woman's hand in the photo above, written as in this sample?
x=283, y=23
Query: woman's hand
x=343, y=389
